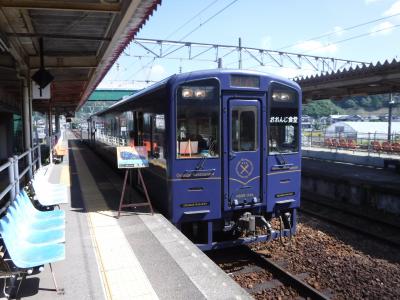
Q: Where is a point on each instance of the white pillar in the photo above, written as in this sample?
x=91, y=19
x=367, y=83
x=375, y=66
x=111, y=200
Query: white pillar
x=26, y=115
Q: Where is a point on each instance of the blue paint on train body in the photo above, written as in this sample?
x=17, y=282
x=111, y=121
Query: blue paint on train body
x=225, y=147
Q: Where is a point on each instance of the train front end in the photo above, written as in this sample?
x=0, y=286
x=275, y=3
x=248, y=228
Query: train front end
x=235, y=176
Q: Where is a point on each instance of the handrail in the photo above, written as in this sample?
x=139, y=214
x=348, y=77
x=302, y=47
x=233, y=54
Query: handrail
x=4, y=166
x=24, y=154
x=6, y=190
x=22, y=174
x=112, y=140
x=32, y=164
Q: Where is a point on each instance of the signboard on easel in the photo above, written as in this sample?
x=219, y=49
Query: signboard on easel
x=133, y=158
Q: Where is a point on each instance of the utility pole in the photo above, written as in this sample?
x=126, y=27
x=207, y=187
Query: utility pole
x=391, y=104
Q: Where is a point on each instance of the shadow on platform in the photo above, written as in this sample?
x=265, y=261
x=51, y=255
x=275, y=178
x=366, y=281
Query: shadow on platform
x=108, y=183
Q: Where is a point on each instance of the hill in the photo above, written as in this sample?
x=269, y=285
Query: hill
x=362, y=105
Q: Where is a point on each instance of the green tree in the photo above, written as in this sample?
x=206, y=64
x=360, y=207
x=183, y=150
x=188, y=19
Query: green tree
x=321, y=108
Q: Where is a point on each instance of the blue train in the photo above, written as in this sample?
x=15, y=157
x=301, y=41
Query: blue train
x=223, y=148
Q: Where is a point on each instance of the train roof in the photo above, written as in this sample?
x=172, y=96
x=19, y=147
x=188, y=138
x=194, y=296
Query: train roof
x=193, y=76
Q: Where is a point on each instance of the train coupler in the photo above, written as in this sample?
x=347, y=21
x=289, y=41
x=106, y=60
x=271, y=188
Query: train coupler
x=249, y=223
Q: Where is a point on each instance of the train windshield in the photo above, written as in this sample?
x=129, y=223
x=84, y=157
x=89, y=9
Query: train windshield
x=283, y=121
x=198, y=121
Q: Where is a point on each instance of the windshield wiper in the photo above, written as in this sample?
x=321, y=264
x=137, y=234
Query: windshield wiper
x=279, y=156
x=200, y=165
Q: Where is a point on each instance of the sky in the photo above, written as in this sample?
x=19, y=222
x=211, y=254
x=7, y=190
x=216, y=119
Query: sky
x=360, y=30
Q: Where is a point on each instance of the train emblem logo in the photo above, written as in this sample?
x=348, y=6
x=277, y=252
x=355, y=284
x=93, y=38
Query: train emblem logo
x=244, y=168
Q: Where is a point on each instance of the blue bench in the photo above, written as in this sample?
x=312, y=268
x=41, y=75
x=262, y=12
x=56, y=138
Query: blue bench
x=32, y=238
x=49, y=194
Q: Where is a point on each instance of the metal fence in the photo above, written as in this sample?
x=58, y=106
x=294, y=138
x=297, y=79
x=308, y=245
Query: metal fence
x=16, y=172
x=362, y=140
x=111, y=140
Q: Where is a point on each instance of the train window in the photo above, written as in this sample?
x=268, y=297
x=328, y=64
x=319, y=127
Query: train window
x=283, y=122
x=198, y=119
x=158, y=137
x=244, y=128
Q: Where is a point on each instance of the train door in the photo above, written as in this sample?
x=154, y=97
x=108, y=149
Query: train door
x=244, y=186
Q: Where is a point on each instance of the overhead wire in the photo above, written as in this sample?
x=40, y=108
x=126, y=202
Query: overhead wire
x=340, y=31
x=354, y=37
x=191, y=19
x=196, y=28
x=179, y=28
x=209, y=19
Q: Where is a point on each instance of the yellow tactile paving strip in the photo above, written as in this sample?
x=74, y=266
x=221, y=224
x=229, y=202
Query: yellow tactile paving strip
x=120, y=270
x=64, y=177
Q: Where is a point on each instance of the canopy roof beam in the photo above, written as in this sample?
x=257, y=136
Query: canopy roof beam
x=62, y=5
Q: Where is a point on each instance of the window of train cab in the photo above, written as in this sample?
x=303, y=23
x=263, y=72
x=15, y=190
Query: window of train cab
x=283, y=129
x=198, y=119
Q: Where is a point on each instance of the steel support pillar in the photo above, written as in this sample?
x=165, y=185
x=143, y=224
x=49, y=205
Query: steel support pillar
x=27, y=115
x=57, y=123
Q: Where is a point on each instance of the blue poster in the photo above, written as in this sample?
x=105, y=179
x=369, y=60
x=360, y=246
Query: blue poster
x=132, y=157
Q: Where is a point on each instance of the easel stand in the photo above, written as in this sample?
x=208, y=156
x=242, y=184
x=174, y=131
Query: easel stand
x=121, y=202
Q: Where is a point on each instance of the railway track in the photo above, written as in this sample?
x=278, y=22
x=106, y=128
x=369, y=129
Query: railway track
x=368, y=226
x=262, y=277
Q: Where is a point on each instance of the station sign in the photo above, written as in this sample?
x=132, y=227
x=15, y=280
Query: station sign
x=40, y=94
x=132, y=157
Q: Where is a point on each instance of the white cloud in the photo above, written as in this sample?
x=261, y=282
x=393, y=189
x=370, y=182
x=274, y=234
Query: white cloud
x=266, y=42
x=393, y=10
x=316, y=46
x=156, y=73
x=383, y=28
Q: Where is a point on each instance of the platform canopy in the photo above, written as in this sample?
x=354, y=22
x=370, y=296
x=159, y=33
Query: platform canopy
x=379, y=78
x=81, y=41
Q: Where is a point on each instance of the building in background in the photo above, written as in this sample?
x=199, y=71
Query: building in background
x=362, y=130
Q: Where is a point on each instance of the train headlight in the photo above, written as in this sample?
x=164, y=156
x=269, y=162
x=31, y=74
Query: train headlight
x=187, y=93
x=197, y=92
x=200, y=93
x=282, y=96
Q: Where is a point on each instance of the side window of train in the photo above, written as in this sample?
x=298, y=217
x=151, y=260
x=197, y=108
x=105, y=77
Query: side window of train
x=139, y=137
x=198, y=119
x=158, y=136
x=146, y=133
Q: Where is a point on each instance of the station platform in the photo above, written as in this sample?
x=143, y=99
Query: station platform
x=138, y=256
x=385, y=179
x=367, y=189
x=352, y=156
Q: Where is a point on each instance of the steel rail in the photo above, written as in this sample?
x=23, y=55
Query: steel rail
x=347, y=211
x=286, y=277
x=350, y=227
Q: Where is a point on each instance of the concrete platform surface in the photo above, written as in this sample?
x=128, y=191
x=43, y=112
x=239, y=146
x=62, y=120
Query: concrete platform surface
x=383, y=178
x=138, y=256
x=374, y=159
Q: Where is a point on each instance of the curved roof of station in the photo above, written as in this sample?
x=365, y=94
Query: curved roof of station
x=374, y=79
x=81, y=41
